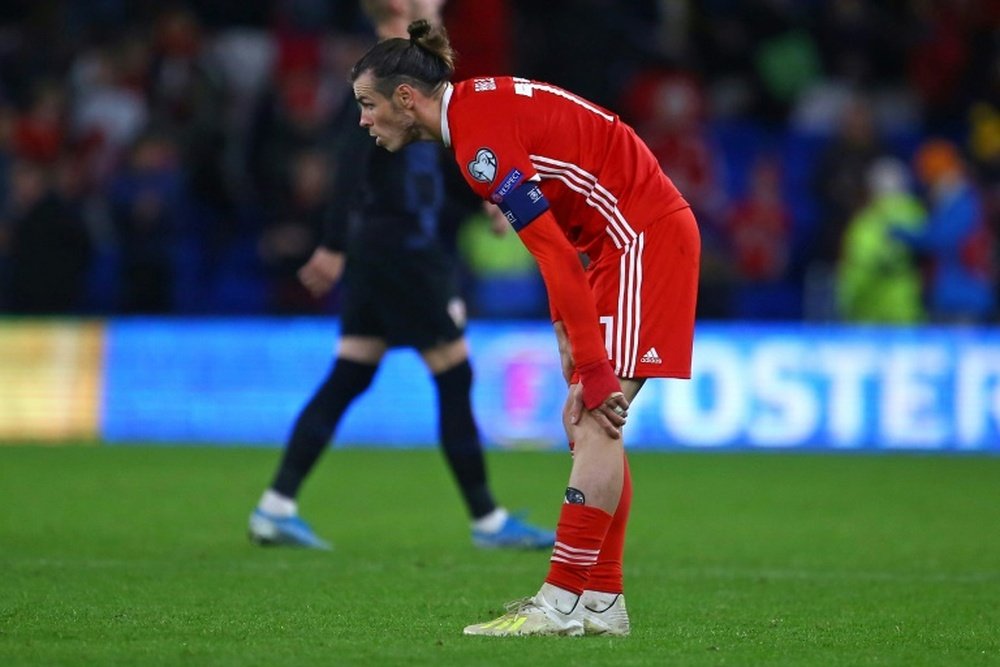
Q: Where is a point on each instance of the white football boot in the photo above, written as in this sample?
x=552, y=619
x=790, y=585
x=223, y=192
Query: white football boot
x=534, y=616
x=604, y=614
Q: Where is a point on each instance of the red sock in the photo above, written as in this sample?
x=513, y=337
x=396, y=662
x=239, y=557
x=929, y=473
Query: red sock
x=606, y=575
x=579, y=536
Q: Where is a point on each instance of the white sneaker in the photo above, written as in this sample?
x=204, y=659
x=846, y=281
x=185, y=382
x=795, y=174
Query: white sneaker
x=531, y=616
x=604, y=614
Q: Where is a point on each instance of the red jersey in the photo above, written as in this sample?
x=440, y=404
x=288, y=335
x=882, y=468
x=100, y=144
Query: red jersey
x=602, y=183
x=571, y=177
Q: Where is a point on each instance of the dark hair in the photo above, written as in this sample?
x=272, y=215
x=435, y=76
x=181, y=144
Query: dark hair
x=424, y=61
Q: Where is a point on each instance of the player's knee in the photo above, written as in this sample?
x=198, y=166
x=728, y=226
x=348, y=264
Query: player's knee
x=457, y=378
x=350, y=377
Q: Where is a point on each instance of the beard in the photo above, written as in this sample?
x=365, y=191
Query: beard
x=412, y=132
x=409, y=128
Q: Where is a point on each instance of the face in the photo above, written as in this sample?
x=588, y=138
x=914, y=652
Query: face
x=426, y=9
x=390, y=121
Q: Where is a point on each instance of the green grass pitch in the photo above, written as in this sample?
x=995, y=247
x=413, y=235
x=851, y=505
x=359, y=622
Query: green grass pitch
x=138, y=556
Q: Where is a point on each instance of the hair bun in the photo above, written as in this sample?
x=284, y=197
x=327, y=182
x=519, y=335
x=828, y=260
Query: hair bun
x=418, y=30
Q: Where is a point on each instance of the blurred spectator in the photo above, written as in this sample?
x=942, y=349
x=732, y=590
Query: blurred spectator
x=588, y=46
x=787, y=64
x=110, y=108
x=667, y=109
x=150, y=208
x=483, y=52
x=295, y=114
x=48, y=249
x=759, y=226
x=938, y=56
x=504, y=276
x=957, y=239
x=39, y=133
x=759, y=229
x=73, y=185
x=878, y=280
x=187, y=101
x=858, y=42
x=293, y=232
x=8, y=117
x=759, y=56
x=839, y=177
x=984, y=149
x=724, y=43
x=245, y=59
x=838, y=187
x=241, y=89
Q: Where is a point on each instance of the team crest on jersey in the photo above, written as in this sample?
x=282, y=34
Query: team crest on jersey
x=484, y=167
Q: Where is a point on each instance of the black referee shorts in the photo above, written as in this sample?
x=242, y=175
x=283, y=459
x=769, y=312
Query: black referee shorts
x=407, y=298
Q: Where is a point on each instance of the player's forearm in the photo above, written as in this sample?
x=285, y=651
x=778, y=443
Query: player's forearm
x=571, y=298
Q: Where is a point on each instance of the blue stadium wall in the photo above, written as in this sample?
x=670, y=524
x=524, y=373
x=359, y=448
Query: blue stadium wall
x=753, y=387
x=242, y=381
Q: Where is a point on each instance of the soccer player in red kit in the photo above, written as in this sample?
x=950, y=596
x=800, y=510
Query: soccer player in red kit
x=572, y=179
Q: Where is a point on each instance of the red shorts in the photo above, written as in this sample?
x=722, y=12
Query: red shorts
x=646, y=297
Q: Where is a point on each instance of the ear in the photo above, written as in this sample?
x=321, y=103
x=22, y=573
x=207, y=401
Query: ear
x=404, y=96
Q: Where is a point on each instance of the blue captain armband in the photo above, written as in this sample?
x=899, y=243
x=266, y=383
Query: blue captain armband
x=523, y=204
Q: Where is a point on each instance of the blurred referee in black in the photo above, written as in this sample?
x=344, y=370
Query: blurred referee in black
x=384, y=236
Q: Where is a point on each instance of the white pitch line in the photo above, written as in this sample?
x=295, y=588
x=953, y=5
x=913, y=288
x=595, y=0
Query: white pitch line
x=669, y=573
x=832, y=575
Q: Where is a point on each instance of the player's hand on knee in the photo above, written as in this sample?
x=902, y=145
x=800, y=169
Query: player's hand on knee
x=610, y=415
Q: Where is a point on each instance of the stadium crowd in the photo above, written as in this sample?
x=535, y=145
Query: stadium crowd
x=842, y=156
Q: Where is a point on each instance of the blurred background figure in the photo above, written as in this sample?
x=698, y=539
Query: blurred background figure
x=824, y=88
x=501, y=275
x=187, y=101
x=385, y=226
x=110, y=108
x=878, y=279
x=40, y=132
x=839, y=179
x=48, y=249
x=292, y=231
x=759, y=229
x=668, y=110
x=838, y=184
x=150, y=210
x=957, y=240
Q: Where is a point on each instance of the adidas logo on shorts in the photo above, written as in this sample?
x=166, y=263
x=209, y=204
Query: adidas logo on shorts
x=651, y=357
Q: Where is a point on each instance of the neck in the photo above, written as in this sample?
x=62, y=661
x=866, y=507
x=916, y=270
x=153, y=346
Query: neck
x=428, y=114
